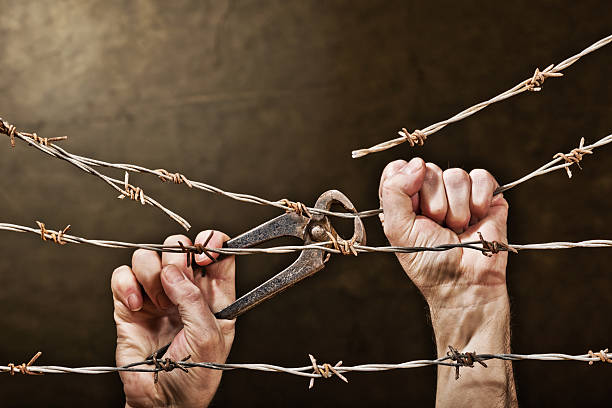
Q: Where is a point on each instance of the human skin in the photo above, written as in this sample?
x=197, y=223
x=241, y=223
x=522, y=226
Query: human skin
x=159, y=300
x=465, y=290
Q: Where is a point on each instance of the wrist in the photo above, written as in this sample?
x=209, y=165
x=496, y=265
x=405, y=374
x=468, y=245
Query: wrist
x=478, y=325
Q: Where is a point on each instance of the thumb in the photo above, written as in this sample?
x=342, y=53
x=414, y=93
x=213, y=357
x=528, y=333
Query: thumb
x=192, y=307
x=398, y=201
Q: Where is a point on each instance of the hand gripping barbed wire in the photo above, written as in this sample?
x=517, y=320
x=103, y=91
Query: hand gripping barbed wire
x=533, y=84
x=314, y=371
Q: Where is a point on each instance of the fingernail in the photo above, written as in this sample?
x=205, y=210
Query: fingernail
x=163, y=301
x=412, y=167
x=133, y=302
x=173, y=275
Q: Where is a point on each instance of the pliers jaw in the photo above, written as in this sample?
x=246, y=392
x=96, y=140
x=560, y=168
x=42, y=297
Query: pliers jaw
x=316, y=228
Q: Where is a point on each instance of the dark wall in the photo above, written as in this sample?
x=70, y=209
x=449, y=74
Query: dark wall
x=270, y=97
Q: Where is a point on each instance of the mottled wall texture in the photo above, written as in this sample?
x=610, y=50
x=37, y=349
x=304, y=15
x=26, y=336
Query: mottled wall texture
x=270, y=97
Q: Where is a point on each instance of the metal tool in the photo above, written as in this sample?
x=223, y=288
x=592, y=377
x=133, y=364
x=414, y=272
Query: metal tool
x=311, y=229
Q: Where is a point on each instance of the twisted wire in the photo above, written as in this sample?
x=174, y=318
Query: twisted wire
x=531, y=84
x=320, y=370
x=481, y=245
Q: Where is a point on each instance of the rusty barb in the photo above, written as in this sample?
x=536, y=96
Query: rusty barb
x=24, y=368
x=466, y=359
x=415, y=138
x=198, y=249
x=176, y=178
x=493, y=247
x=602, y=355
x=167, y=365
x=295, y=206
x=575, y=156
x=325, y=371
x=11, y=131
x=131, y=192
x=534, y=84
x=55, y=236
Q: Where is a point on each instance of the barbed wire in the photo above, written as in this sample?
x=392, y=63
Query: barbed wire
x=61, y=237
x=122, y=186
x=453, y=358
x=533, y=84
x=136, y=193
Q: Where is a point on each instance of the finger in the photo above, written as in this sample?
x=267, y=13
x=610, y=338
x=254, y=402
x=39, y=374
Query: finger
x=396, y=193
x=483, y=186
x=146, y=266
x=389, y=171
x=219, y=284
x=126, y=289
x=433, y=195
x=176, y=258
x=209, y=239
x=192, y=307
x=457, y=185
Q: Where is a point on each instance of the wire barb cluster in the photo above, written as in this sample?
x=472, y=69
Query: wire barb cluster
x=24, y=368
x=575, y=156
x=493, y=247
x=56, y=236
x=325, y=371
x=533, y=84
x=167, y=365
x=602, y=355
x=466, y=359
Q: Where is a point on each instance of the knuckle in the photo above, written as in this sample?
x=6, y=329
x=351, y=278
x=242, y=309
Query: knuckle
x=393, y=167
x=433, y=210
x=433, y=171
x=141, y=256
x=481, y=177
x=455, y=177
x=173, y=239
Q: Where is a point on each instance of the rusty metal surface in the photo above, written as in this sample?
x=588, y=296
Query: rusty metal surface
x=309, y=262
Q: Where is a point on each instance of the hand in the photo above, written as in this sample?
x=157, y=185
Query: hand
x=424, y=206
x=466, y=291
x=159, y=300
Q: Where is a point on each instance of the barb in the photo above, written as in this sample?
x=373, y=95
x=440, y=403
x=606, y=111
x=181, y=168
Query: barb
x=602, y=355
x=314, y=370
x=466, y=359
x=493, y=247
x=532, y=84
x=575, y=156
x=55, y=236
x=23, y=367
x=325, y=371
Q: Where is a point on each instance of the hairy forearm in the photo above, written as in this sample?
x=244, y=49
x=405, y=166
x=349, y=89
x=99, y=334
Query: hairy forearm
x=483, y=328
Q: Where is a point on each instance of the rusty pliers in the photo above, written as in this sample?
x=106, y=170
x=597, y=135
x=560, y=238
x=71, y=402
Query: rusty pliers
x=310, y=229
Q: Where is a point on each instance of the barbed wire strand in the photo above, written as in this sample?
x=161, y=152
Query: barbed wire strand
x=61, y=237
x=122, y=186
x=313, y=371
x=533, y=84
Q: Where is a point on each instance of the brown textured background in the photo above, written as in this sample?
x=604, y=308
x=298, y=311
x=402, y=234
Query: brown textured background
x=270, y=97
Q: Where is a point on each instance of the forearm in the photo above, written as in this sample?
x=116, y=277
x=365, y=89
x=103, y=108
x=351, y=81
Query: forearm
x=483, y=328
